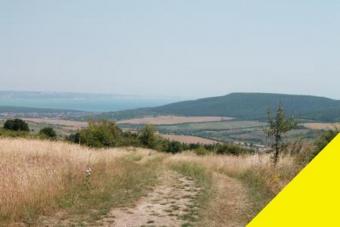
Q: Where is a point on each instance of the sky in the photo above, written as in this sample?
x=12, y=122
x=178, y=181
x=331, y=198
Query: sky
x=174, y=48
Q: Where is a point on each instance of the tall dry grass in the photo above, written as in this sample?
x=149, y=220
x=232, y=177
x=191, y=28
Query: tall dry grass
x=256, y=172
x=237, y=166
x=40, y=177
x=36, y=175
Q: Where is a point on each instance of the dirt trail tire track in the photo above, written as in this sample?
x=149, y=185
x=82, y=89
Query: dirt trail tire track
x=173, y=203
x=232, y=202
x=170, y=204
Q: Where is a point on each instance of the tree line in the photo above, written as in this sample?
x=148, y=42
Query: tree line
x=107, y=134
x=103, y=134
x=21, y=128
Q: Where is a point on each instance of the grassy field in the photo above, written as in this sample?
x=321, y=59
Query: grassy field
x=55, y=183
x=41, y=177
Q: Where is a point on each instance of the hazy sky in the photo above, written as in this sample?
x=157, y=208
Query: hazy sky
x=186, y=48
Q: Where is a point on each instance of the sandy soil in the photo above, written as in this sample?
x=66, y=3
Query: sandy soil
x=171, y=120
x=188, y=139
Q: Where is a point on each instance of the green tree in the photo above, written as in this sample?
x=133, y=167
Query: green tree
x=173, y=147
x=16, y=125
x=232, y=149
x=147, y=137
x=100, y=134
x=48, y=132
x=278, y=126
x=74, y=137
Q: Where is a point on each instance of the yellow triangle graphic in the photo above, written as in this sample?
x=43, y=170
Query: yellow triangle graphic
x=312, y=198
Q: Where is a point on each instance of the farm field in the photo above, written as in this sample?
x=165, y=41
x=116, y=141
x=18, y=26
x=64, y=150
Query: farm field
x=227, y=130
x=250, y=132
x=60, y=122
x=48, y=183
x=189, y=139
x=172, y=120
x=321, y=126
x=223, y=125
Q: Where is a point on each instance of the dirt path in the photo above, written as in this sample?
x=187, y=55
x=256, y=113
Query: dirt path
x=172, y=203
x=231, y=205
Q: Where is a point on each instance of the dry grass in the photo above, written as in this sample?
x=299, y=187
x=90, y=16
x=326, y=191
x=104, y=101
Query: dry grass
x=38, y=177
x=261, y=180
x=235, y=166
x=171, y=120
x=43, y=177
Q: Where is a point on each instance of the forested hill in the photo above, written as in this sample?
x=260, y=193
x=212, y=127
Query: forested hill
x=248, y=106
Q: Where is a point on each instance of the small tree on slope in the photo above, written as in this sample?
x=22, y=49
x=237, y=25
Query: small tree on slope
x=277, y=127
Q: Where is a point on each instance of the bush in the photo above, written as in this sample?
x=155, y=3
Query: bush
x=74, y=137
x=201, y=151
x=147, y=137
x=173, y=147
x=100, y=134
x=16, y=125
x=232, y=149
x=130, y=139
x=11, y=133
x=107, y=134
x=48, y=132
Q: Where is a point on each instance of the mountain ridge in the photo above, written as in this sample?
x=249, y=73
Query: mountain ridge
x=245, y=106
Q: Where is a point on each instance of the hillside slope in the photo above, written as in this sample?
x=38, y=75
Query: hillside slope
x=248, y=106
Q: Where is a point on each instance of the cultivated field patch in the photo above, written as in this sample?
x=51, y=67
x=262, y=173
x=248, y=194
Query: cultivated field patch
x=171, y=120
x=321, y=126
x=189, y=139
x=60, y=122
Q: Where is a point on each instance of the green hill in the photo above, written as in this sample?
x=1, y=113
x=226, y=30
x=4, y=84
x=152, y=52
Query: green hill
x=247, y=106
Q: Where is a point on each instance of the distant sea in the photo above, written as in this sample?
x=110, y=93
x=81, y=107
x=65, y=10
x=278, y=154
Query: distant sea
x=82, y=102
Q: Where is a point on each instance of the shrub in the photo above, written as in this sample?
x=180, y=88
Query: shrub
x=48, y=132
x=130, y=139
x=16, y=125
x=201, y=150
x=147, y=137
x=11, y=133
x=174, y=147
x=232, y=149
x=101, y=134
x=74, y=137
